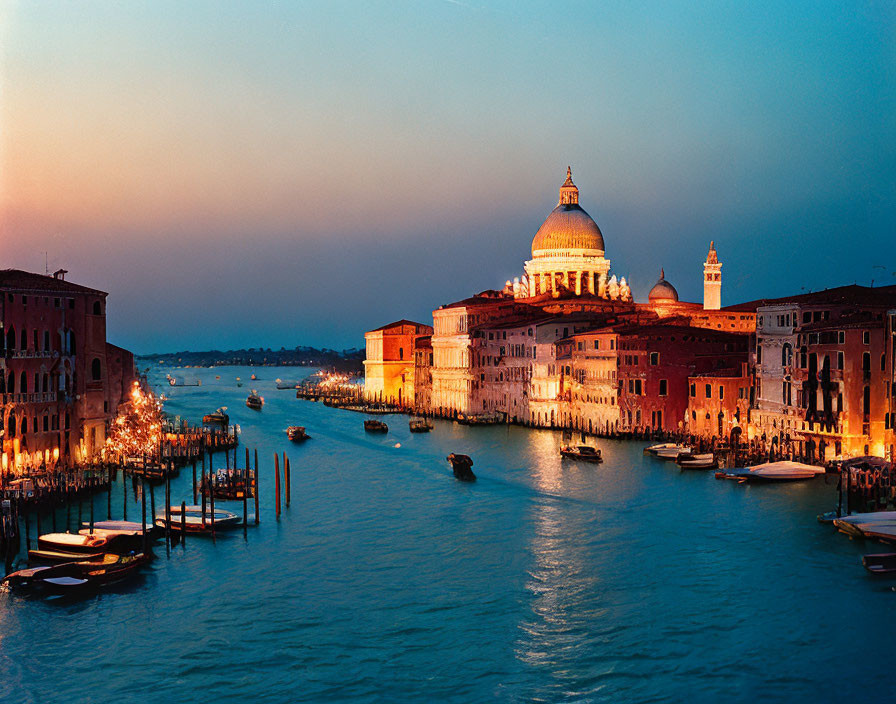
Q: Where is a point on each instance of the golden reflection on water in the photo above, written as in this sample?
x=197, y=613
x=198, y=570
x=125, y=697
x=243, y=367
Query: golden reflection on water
x=558, y=583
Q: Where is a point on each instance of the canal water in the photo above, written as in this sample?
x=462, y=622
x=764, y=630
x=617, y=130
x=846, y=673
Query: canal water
x=544, y=581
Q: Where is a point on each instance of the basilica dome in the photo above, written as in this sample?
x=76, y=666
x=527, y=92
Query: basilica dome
x=663, y=291
x=568, y=227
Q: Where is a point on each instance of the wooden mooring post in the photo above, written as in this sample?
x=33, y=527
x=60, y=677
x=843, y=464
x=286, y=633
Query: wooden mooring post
x=183, y=520
x=277, y=482
x=168, y=515
x=124, y=495
x=256, y=488
x=194, y=481
x=211, y=493
x=286, y=476
x=144, y=517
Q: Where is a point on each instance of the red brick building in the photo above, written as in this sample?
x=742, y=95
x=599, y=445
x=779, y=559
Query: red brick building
x=655, y=364
x=61, y=381
x=718, y=401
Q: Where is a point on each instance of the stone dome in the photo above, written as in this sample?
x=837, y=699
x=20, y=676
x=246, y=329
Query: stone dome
x=663, y=291
x=568, y=227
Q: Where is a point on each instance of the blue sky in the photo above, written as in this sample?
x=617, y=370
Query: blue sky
x=245, y=174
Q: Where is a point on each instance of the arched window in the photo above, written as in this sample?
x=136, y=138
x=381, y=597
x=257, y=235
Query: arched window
x=24, y=424
x=11, y=384
x=45, y=387
x=96, y=369
x=11, y=339
x=401, y=352
x=36, y=386
x=24, y=341
x=71, y=342
x=12, y=425
x=23, y=385
x=866, y=361
x=786, y=355
x=2, y=382
x=97, y=309
x=46, y=423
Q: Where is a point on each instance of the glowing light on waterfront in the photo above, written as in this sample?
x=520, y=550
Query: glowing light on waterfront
x=137, y=429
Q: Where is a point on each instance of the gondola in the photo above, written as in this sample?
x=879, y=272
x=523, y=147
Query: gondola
x=375, y=426
x=584, y=453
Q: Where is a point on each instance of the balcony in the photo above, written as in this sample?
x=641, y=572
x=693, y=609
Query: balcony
x=48, y=397
x=32, y=354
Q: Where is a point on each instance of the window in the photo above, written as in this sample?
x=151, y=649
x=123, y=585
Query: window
x=758, y=354
x=841, y=337
x=693, y=390
x=709, y=391
x=654, y=359
x=96, y=369
x=721, y=393
x=866, y=400
x=23, y=384
x=46, y=340
x=866, y=337
x=786, y=355
x=400, y=356
x=664, y=384
x=866, y=361
x=597, y=344
x=23, y=340
x=839, y=360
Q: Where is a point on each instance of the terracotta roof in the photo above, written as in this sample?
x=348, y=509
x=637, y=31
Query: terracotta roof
x=17, y=279
x=399, y=323
x=842, y=295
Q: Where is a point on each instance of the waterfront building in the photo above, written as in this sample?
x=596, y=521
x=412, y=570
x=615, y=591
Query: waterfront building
x=655, y=364
x=422, y=393
x=389, y=362
x=60, y=381
x=822, y=372
x=718, y=402
x=593, y=383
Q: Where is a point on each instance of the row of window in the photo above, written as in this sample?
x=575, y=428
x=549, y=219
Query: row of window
x=46, y=423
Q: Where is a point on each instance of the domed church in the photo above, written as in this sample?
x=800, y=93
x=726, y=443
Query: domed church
x=568, y=255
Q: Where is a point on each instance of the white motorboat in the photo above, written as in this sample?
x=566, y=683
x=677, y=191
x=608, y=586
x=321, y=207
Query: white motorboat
x=672, y=452
x=688, y=460
x=653, y=449
x=858, y=524
x=783, y=471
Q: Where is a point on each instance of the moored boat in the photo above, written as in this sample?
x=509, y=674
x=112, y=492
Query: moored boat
x=78, y=575
x=193, y=521
x=671, y=452
x=850, y=524
x=254, y=401
x=585, y=453
x=72, y=543
x=783, y=471
x=653, y=449
x=44, y=556
x=880, y=563
x=218, y=419
x=297, y=433
x=419, y=425
x=375, y=426
x=689, y=460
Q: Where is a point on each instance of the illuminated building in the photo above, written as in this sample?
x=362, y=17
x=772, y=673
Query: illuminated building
x=61, y=381
x=389, y=363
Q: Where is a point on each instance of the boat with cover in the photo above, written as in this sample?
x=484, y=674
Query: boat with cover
x=73, y=543
x=297, y=433
x=880, y=563
x=419, y=425
x=254, y=401
x=375, y=426
x=491, y=418
x=783, y=471
x=883, y=531
x=849, y=524
x=118, y=525
x=44, y=556
x=584, y=453
x=688, y=460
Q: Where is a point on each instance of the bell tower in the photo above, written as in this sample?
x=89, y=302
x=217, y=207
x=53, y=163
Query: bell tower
x=712, y=280
x=569, y=193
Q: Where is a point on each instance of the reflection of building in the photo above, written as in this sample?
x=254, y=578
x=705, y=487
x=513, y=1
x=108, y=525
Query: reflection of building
x=821, y=372
x=389, y=364
x=61, y=381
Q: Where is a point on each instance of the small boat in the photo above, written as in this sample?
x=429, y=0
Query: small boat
x=492, y=418
x=881, y=563
x=253, y=378
x=118, y=525
x=419, y=425
x=72, y=543
x=653, y=449
x=193, y=520
x=254, y=401
x=61, y=556
x=688, y=460
x=783, y=471
x=218, y=418
x=297, y=433
x=375, y=426
x=850, y=524
x=78, y=575
x=462, y=467
x=671, y=452
x=883, y=531
x=584, y=453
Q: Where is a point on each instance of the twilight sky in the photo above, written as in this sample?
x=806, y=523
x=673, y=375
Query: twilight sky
x=246, y=174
